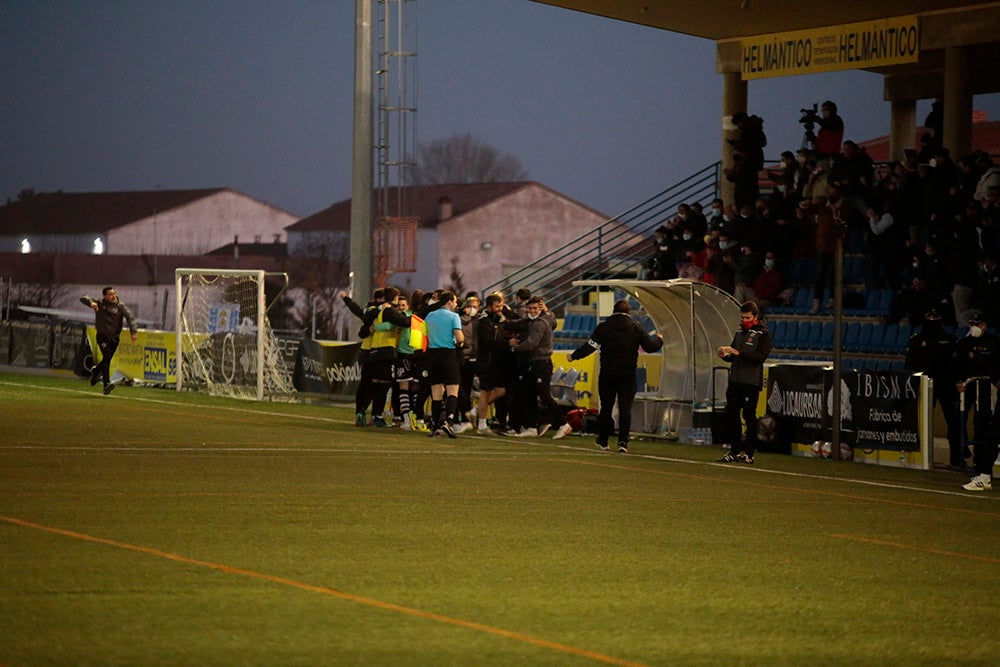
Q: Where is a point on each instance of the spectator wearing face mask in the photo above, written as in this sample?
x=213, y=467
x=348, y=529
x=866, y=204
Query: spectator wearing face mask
x=769, y=283
x=692, y=247
x=716, y=215
x=784, y=177
x=661, y=264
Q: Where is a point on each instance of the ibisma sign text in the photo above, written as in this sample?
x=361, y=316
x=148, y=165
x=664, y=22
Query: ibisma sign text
x=850, y=46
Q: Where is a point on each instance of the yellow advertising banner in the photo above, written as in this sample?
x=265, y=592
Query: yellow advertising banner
x=152, y=358
x=890, y=41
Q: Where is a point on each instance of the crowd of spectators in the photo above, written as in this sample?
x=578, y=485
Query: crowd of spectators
x=927, y=227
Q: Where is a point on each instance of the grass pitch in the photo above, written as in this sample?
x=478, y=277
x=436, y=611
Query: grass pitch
x=149, y=527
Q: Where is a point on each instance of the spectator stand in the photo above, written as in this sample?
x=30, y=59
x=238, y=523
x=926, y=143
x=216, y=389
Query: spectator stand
x=866, y=342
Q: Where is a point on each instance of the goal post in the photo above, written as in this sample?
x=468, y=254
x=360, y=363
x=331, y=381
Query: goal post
x=225, y=345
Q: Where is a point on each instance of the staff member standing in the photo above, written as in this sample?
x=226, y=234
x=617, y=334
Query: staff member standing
x=931, y=351
x=746, y=355
x=618, y=338
x=110, y=314
x=976, y=366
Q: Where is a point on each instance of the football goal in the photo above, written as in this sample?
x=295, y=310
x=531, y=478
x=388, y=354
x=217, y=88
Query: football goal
x=225, y=345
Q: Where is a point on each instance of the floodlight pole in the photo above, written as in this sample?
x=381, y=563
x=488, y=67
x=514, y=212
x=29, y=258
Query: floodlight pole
x=363, y=160
x=838, y=319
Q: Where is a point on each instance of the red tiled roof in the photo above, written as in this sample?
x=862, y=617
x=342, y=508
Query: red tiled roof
x=422, y=199
x=81, y=212
x=985, y=137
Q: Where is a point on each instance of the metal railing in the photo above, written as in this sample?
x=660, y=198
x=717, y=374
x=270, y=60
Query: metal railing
x=615, y=249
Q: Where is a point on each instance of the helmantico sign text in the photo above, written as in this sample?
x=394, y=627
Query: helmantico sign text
x=850, y=46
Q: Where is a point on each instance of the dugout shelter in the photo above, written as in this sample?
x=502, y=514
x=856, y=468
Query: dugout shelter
x=695, y=319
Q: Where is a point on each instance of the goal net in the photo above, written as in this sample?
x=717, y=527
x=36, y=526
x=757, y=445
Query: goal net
x=225, y=345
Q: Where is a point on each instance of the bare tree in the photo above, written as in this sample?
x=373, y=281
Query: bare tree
x=463, y=158
x=457, y=279
x=317, y=276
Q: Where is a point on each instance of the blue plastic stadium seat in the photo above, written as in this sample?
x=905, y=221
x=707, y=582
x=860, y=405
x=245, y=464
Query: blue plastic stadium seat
x=905, y=331
x=851, y=335
x=791, y=333
x=815, y=333
x=802, y=337
x=826, y=336
x=779, y=330
x=803, y=301
x=874, y=342
x=873, y=299
x=569, y=326
x=886, y=299
x=890, y=335
x=863, y=340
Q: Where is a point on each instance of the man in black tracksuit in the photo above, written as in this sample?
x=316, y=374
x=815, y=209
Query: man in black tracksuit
x=976, y=368
x=931, y=351
x=110, y=314
x=539, y=409
x=746, y=354
x=618, y=338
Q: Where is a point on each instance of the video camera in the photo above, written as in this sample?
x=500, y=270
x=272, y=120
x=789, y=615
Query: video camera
x=810, y=116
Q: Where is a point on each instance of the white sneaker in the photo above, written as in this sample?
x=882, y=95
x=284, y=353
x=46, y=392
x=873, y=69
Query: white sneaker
x=543, y=429
x=485, y=431
x=461, y=427
x=979, y=483
x=563, y=431
x=406, y=424
x=527, y=433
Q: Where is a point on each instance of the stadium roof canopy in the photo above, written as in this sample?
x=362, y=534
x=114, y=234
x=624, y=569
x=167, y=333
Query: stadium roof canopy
x=944, y=24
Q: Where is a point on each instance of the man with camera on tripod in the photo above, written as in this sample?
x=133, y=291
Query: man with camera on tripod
x=826, y=143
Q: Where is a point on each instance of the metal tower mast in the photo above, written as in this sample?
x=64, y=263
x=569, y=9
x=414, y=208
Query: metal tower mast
x=396, y=82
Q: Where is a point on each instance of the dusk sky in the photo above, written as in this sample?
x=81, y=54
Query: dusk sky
x=256, y=95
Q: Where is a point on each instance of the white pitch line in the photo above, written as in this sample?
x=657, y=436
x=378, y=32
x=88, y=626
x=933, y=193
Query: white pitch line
x=563, y=446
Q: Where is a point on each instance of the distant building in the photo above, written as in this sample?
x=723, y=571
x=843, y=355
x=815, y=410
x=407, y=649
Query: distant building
x=985, y=137
x=157, y=222
x=481, y=230
x=56, y=246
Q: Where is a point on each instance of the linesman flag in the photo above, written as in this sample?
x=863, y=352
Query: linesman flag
x=418, y=333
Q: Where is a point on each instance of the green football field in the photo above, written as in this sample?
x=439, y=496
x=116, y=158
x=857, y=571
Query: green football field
x=154, y=528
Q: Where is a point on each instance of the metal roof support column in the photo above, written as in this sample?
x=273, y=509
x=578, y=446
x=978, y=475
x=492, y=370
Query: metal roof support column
x=734, y=98
x=902, y=119
x=958, y=100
